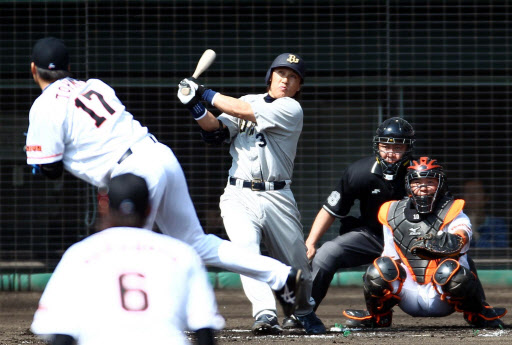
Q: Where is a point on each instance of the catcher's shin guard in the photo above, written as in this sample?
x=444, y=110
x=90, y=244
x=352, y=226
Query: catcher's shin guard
x=472, y=267
x=378, y=293
x=461, y=288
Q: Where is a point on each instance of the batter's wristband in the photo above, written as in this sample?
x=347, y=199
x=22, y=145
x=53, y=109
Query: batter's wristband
x=198, y=111
x=208, y=95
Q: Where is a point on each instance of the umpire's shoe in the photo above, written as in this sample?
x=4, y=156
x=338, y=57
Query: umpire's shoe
x=363, y=319
x=287, y=294
x=312, y=324
x=266, y=324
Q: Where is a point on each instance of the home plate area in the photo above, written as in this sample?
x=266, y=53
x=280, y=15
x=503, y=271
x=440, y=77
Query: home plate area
x=452, y=329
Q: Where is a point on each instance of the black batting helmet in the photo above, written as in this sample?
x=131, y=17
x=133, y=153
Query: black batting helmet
x=289, y=60
x=425, y=167
x=394, y=130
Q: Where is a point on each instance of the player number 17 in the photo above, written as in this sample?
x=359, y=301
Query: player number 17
x=98, y=119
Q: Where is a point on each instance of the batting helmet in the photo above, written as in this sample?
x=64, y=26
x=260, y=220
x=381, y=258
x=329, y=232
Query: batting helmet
x=425, y=167
x=394, y=130
x=289, y=60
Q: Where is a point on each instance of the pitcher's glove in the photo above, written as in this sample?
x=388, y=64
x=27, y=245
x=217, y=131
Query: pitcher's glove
x=442, y=245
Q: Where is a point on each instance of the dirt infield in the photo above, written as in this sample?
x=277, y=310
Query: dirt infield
x=17, y=308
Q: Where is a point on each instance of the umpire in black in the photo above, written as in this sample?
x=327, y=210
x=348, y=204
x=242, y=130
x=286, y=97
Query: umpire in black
x=373, y=181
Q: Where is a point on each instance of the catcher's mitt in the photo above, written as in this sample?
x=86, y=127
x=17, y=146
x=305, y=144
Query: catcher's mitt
x=442, y=245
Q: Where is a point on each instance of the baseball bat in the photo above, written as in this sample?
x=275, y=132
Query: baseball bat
x=202, y=65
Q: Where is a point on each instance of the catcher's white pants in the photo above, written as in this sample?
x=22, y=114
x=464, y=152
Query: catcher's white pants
x=423, y=300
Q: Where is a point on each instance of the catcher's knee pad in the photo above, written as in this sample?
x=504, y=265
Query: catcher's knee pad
x=463, y=289
x=380, y=275
x=456, y=281
x=378, y=287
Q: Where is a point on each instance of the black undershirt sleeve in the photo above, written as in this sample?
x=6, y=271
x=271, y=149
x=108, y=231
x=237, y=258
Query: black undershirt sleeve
x=52, y=170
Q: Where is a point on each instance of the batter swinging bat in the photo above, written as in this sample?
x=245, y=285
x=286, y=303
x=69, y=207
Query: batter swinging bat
x=202, y=65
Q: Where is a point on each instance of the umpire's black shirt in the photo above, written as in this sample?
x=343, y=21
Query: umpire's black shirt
x=363, y=181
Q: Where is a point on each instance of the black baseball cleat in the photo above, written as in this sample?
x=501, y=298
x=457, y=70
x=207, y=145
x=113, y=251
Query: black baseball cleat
x=488, y=317
x=363, y=319
x=287, y=294
x=312, y=324
x=266, y=324
x=291, y=322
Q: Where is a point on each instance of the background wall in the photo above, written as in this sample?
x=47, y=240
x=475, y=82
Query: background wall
x=445, y=66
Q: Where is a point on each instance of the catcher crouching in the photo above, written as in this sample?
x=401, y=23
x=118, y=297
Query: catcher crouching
x=424, y=266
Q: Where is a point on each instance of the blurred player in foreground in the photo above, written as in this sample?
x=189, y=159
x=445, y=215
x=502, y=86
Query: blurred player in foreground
x=82, y=126
x=424, y=267
x=258, y=203
x=371, y=180
x=126, y=284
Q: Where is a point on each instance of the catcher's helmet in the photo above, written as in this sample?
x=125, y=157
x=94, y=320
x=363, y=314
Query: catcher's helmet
x=425, y=167
x=394, y=130
x=289, y=60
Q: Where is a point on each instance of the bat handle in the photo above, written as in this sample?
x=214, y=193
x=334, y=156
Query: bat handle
x=185, y=90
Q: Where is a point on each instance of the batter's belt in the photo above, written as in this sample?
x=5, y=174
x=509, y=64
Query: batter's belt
x=257, y=185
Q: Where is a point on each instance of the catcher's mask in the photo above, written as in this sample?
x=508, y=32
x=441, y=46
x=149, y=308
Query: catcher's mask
x=394, y=130
x=421, y=169
x=289, y=60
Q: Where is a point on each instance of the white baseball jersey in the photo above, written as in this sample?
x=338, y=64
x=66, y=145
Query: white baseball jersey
x=266, y=150
x=85, y=125
x=423, y=299
x=127, y=286
x=82, y=123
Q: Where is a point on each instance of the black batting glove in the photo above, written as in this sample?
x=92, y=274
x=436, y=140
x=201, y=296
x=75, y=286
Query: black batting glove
x=200, y=88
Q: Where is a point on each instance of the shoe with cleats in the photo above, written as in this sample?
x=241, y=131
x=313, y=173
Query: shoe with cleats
x=363, y=319
x=488, y=317
x=291, y=322
x=266, y=324
x=287, y=294
x=312, y=324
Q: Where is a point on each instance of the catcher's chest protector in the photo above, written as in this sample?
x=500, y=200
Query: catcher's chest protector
x=405, y=233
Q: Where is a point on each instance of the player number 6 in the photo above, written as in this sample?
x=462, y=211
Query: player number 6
x=133, y=298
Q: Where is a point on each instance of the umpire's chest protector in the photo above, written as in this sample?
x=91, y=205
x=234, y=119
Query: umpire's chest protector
x=405, y=234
